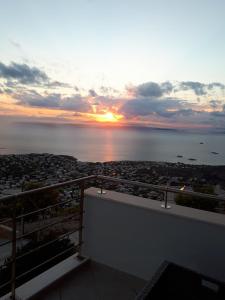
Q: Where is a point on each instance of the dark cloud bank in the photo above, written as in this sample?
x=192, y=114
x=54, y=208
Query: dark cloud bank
x=22, y=73
x=147, y=99
x=16, y=73
x=54, y=101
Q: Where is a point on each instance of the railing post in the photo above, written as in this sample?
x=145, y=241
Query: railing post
x=165, y=205
x=81, y=217
x=101, y=191
x=13, y=256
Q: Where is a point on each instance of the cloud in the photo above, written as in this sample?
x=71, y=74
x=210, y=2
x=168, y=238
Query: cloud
x=150, y=89
x=108, y=90
x=220, y=114
x=143, y=107
x=167, y=87
x=8, y=91
x=55, y=101
x=149, y=101
x=17, y=74
x=185, y=112
x=92, y=93
x=213, y=85
x=215, y=103
x=108, y=102
x=22, y=73
x=55, y=84
x=173, y=111
x=33, y=98
x=15, y=44
x=76, y=114
x=197, y=87
x=105, y=89
x=75, y=103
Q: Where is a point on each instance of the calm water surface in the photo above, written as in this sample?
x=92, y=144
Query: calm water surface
x=106, y=144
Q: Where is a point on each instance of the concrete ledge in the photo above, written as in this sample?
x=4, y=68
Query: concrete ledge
x=135, y=235
x=155, y=205
x=32, y=288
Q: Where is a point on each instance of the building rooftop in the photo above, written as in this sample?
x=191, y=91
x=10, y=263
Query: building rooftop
x=95, y=281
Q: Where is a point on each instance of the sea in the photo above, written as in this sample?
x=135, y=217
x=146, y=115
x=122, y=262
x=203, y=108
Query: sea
x=93, y=143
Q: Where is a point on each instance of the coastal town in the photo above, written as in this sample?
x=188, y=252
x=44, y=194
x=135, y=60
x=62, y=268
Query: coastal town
x=18, y=169
x=60, y=224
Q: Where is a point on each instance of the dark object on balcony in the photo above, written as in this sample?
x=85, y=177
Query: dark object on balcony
x=175, y=282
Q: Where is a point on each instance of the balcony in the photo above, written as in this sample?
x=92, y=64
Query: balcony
x=117, y=242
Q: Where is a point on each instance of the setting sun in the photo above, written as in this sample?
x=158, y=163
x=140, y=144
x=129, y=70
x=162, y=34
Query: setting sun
x=108, y=117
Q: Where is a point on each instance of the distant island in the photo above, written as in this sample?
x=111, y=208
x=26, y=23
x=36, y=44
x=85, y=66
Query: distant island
x=99, y=125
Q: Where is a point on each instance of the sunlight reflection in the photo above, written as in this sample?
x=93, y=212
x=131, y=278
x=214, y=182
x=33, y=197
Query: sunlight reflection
x=109, y=153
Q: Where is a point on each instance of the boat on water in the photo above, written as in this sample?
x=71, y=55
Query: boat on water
x=192, y=159
x=180, y=156
x=213, y=152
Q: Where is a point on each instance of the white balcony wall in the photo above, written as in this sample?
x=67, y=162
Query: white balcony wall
x=136, y=235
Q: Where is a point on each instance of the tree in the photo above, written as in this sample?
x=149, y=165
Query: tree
x=29, y=203
x=36, y=201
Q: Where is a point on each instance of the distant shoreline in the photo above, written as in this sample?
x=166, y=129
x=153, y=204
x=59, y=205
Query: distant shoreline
x=123, y=126
x=117, y=161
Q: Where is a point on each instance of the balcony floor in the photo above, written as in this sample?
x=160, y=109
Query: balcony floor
x=95, y=282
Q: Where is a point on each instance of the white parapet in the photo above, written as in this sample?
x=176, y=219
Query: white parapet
x=135, y=235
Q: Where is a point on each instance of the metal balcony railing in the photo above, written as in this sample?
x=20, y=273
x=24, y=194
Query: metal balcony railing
x=11, y=264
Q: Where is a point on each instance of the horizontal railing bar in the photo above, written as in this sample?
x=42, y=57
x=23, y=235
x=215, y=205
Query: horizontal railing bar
x=46, y=226
x=49, y=243
x=48, y=188
x=6, y=243
x=45, y=262
x=42, y=246
x=5, y=263
x=160, y=188
x=43, y=209
x=5, y=221
x=3, y=285
x=39, y=229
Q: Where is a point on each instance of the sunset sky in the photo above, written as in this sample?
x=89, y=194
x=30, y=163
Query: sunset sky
x=152, y=63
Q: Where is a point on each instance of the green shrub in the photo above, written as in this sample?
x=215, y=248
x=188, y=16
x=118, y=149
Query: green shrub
x=197, y=202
